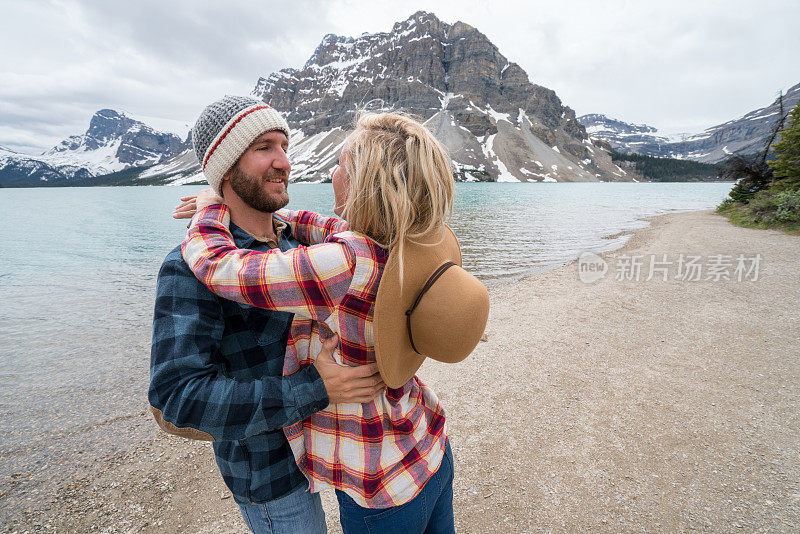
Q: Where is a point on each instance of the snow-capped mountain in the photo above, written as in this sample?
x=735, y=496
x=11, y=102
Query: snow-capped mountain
x=113, y=142
x=745, y=135
x=497, y=125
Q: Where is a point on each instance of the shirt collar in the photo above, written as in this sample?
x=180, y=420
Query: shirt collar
x=245, y=240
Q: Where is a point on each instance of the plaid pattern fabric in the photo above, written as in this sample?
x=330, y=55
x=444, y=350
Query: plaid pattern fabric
x=216, y=366
x=380, y=453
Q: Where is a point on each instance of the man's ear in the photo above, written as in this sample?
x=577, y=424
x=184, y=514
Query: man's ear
x=225, y=178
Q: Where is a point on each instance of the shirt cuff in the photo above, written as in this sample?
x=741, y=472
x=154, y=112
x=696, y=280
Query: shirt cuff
x=309, y=392
x=214, y=212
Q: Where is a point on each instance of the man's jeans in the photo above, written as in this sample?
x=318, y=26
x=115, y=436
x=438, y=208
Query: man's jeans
x=430, y=512
x=298, y=512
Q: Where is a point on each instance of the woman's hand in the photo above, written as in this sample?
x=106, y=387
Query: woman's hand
x=186, y=209
x=192, y=204
x=207, y=197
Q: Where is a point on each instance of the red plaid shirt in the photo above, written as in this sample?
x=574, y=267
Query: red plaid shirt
x=380, y=453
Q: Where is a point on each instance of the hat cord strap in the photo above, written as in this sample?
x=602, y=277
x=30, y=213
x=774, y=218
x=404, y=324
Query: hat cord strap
x=432, y=280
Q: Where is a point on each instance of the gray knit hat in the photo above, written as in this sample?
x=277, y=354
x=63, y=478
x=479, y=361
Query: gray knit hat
x=226, y=128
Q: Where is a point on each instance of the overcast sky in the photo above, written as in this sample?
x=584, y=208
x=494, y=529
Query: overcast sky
x=681, y=66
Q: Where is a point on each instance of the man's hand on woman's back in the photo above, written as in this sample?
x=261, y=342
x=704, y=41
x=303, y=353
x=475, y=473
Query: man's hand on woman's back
x=347, y=384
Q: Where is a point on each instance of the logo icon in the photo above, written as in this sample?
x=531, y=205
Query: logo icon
x=591, y=267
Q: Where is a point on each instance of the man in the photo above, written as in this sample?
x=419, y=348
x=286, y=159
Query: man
x=216, y=366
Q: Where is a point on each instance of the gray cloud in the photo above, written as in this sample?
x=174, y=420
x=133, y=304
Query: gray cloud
x=680, y=66
x=152, y=58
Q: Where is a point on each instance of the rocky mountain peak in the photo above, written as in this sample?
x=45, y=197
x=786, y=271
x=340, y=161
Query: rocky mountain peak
x=114, y=141
x=332, y=48
x=431, y=69
x=461, y=29
x=414, y=66
x=420, y=23
x=105, y=127
x=107, y=124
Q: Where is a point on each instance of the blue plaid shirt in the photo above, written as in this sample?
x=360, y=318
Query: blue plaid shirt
x=216, y=366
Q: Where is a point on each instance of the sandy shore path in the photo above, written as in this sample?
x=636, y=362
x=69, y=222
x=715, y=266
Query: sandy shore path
x=620, y=405
x=636, y=406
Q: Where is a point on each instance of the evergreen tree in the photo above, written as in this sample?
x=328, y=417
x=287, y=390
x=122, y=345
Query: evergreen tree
x=667, y=169
x=786, y=165
x=750, y=173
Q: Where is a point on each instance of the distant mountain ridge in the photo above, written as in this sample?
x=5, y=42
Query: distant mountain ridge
x=599, y=123
x=745, y=135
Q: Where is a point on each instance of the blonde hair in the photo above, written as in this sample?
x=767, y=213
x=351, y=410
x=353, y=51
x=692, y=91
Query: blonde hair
x=401, y=182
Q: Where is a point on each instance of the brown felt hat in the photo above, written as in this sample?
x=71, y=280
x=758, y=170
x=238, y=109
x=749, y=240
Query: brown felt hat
x=440, y=312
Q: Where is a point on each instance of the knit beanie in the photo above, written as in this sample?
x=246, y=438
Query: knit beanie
x=226, y=128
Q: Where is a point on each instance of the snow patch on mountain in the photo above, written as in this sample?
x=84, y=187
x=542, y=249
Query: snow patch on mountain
x=183, y=163
x=100, y=160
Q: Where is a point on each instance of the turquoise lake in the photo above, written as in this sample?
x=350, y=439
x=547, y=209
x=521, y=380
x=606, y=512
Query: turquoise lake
x=78, y=271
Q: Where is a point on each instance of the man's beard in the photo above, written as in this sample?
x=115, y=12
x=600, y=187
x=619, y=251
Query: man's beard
x=251, y=190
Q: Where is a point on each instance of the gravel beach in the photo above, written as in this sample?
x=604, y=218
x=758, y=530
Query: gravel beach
x=621, y=405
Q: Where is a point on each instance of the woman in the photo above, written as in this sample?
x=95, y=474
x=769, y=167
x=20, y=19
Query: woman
x=389, y=460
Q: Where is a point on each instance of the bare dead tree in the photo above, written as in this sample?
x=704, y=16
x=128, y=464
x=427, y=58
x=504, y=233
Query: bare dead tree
x=752, y=173
x=782, y=116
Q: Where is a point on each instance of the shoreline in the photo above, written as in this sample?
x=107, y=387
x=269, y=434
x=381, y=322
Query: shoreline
x=203, y=183
x=623, y=247
x=612, y=406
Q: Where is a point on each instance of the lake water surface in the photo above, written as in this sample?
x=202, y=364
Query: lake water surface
x=78, y=270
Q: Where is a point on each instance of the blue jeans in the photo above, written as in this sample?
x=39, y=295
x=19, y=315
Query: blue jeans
x=430, y=512
x=298, y=512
